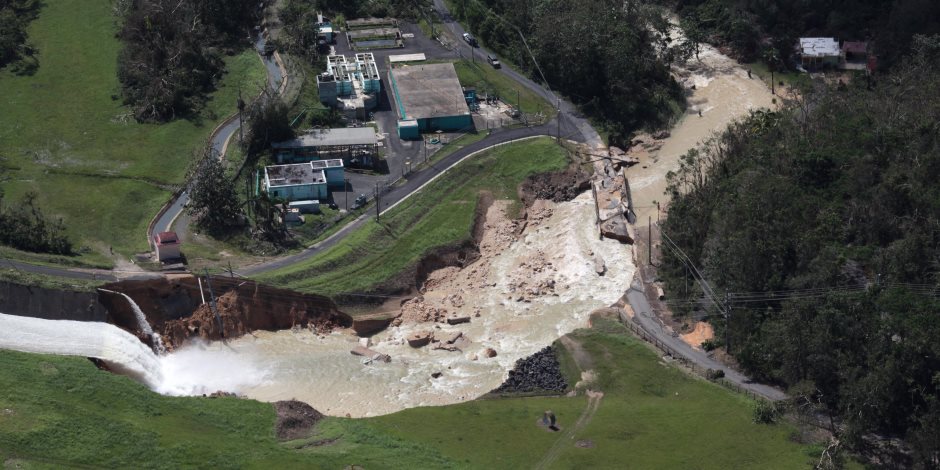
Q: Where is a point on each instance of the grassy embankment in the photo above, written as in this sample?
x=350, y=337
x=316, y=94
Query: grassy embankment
x=485, y=78
x=58, y=410
x=72, y=141
x=439, y=215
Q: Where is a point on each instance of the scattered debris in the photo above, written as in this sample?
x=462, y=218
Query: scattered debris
x=539, y=371
x=489, y=352
x=373, y=355
x=419, y=339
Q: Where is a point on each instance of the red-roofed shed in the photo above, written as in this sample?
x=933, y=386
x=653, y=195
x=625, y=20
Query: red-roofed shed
x=168, y=246
x=855, y=51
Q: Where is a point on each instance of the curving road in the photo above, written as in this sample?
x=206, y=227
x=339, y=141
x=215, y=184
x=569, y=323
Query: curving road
x=221, y=135
x=397, y=194
x=569, y=123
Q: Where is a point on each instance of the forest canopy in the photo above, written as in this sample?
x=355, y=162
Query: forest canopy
x=172, y=54
x=822, y=223
x=15, y=16
x=749, y=27
x=606, y=56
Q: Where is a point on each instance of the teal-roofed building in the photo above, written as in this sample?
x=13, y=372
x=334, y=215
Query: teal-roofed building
x=431, y=96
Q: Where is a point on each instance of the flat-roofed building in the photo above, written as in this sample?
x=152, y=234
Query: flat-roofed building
x=819, y=52
x=357, y=147
x=431, y=95
x=297, y=182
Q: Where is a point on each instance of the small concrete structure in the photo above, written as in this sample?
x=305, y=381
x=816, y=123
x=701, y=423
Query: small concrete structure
x=306, y=207
x=396, y=59
x=408, y=129
x=356, y=146
x=333, y=170
x=324, y=29
x=168, y=246
x=367, y=23
x=431, y=95
x=819, y=52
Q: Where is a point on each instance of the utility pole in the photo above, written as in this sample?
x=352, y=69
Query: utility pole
x=231, y=273
x=377, y=212
x=650, y=235
x=241, y=122
x=346, y=192
x=728, y=323
x=218, y=318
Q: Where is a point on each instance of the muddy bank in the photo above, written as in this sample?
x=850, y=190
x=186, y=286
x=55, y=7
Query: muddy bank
x=556, y=186
x=175, y=308
x=50, y=304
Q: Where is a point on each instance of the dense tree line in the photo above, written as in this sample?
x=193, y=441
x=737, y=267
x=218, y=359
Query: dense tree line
x=828, y=214
x=23, y=226
x=15, y=16
x=172, y=54
x=750, y=26
x=607, y=56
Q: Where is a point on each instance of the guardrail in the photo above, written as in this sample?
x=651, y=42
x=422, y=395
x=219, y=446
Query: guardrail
x=695, y=368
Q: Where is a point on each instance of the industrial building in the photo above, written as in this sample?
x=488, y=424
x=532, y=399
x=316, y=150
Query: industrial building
x=428, y=98
x=351, y=86
x=303, y=181
x=357, y=147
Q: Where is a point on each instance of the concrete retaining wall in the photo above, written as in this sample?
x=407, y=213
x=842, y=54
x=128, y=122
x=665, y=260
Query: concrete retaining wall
x=51, y=304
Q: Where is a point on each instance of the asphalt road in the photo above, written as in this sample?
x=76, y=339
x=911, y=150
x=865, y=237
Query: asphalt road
x=574, y=123
x=646, y=318
x=165, y=221
x=399, y=193
x=570, y=123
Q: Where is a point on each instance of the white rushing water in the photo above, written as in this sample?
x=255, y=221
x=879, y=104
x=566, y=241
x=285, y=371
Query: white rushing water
x=193, y=371
x=321, y=371
x=298, y=364
x=118, y=348
x=142, y=322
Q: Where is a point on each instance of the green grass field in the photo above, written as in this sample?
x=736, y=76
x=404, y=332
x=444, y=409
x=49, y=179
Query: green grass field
x=485, y=78
x=58, y=411
x=72, y=141
x=439, y=215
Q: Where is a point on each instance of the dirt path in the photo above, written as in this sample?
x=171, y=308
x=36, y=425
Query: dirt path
x=567, y=437
x=584, y=362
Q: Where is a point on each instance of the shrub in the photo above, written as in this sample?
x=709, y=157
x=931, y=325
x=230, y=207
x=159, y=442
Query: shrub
x=766, y=412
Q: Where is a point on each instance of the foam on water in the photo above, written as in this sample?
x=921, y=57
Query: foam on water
x=320, y=370
x=193, y=370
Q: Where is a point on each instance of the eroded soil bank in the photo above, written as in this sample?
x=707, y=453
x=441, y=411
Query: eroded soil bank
x=178, y=308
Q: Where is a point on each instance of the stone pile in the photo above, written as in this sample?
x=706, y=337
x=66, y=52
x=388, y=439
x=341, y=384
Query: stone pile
x=538, y=372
